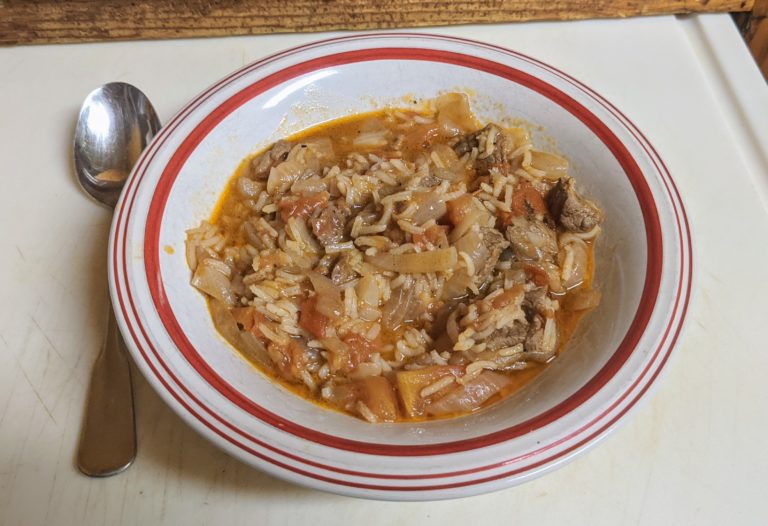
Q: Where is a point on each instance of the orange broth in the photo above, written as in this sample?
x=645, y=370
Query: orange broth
x=229, y=212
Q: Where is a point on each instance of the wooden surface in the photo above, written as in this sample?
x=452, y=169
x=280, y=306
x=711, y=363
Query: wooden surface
x=47, y=21
x=756, y=34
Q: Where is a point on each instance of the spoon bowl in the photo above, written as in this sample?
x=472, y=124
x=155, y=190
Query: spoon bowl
x=115, y=124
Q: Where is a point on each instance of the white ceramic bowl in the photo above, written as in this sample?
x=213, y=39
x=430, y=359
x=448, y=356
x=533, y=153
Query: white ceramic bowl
x=643, y=270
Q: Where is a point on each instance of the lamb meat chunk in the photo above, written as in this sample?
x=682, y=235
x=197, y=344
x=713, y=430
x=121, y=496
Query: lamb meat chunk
x=325, y=264
x=394, y=234
x=344, y=271
x=261, y=166
x=429, y=181
x=534, y=348
x=466, y=143
x=495, y=244
x=556, y=199
x=572, y=211
x=537, y=301
x=502, y=146
x=497, y=158
x=537, y=347
x=329, y=224
x=507, y=336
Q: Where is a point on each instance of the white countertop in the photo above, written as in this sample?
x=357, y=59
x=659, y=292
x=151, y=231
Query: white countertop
x=693, y=453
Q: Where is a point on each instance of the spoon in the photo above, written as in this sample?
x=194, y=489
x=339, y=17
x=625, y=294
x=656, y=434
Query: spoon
x=115, y=124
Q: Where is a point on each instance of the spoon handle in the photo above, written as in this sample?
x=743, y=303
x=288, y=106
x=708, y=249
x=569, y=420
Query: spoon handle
x=108, y=440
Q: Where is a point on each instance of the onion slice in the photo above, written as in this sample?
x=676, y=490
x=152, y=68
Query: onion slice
x=438, y=260
x=328, y=295
x=210, y=280
x=468, y=397
x=245, y=342
x=400, y=307
x=583, y=299
x=429, y=205
x=554, y=166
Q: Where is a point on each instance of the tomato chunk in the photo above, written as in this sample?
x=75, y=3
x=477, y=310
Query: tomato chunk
x=436, y=235
x=312, y=321
x=250, y=319
x=410, y=384
x=459, y=208
x=301, y=207
x=360, y=349
x=378, y=394
x=526, y=201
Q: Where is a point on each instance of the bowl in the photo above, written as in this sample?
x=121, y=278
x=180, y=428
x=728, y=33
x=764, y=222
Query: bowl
x=643, y=267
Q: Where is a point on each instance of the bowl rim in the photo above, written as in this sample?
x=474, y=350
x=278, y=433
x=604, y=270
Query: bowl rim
x=151, y=252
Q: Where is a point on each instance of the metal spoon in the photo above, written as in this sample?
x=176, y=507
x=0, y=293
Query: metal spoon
x=116, y=123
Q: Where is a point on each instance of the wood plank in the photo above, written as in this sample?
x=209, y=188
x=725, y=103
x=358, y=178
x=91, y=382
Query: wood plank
x=47, y=21
x=756, y=34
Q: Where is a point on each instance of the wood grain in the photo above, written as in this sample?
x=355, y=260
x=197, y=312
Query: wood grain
x=46, y=21
x=756, y=34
